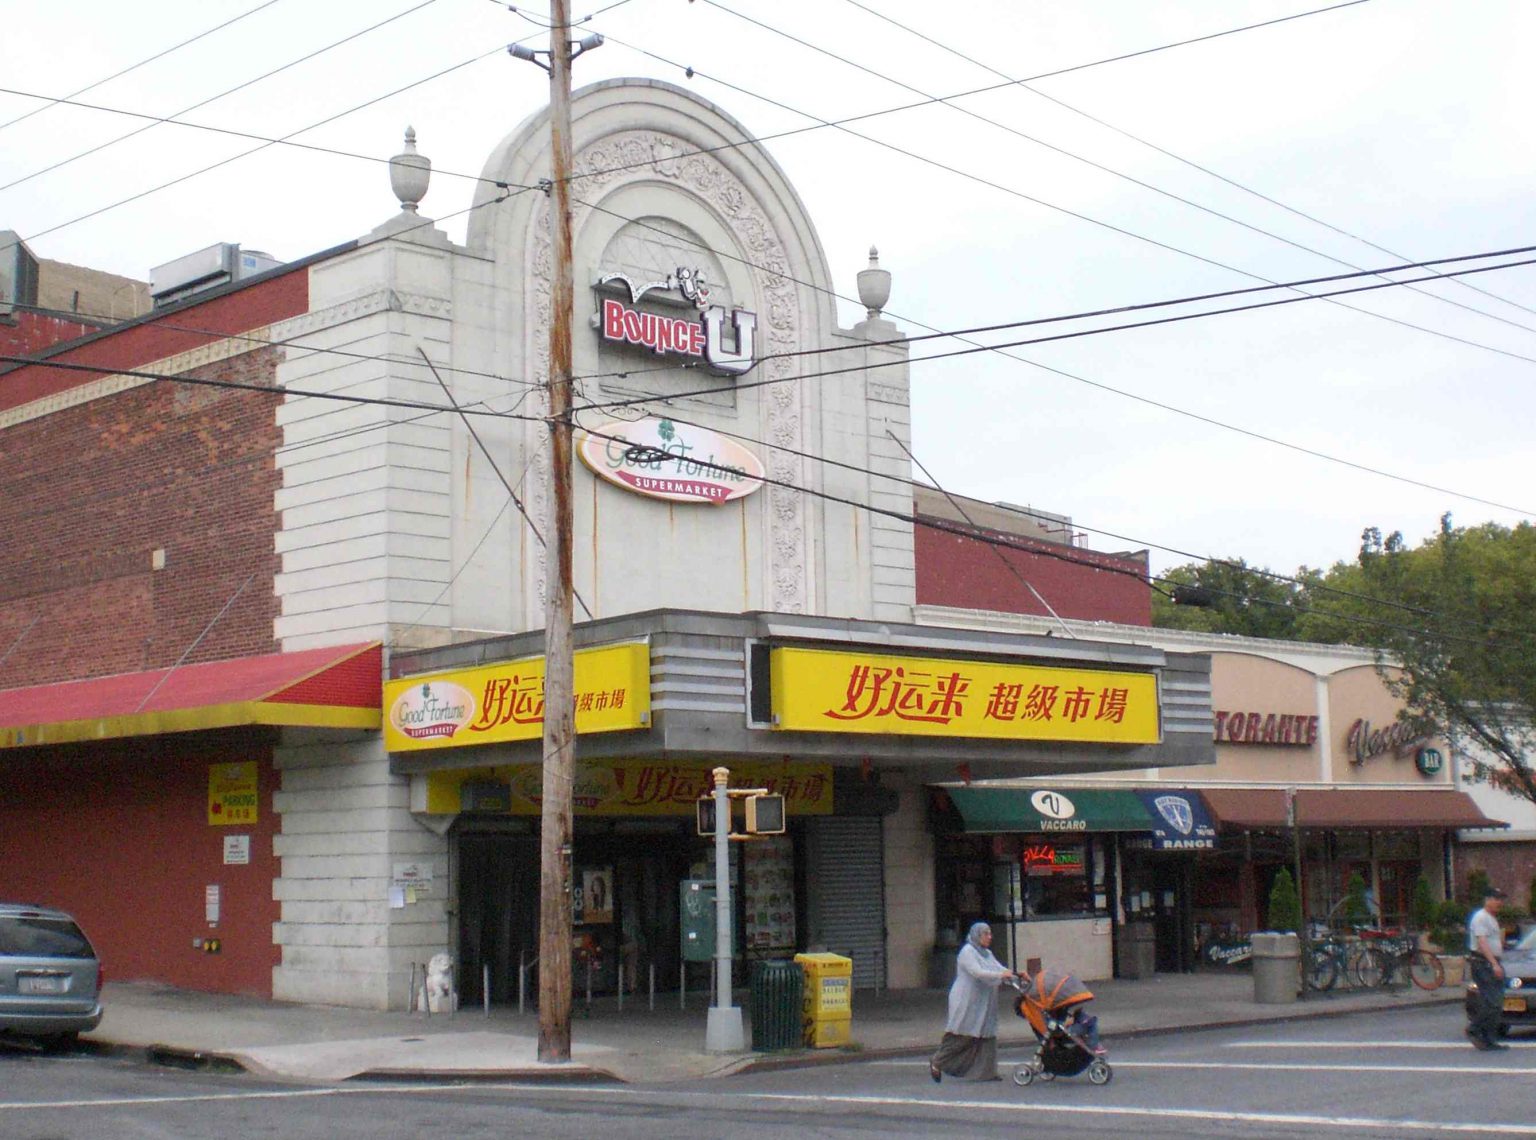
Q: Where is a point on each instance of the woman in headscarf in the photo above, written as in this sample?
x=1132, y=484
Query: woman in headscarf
x=969, y=1047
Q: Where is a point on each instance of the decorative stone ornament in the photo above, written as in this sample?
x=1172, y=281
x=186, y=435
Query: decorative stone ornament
x=874, y=285
x=409, y=174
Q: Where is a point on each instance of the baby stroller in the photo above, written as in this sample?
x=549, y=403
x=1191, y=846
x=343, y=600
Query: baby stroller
x=1053, y=1003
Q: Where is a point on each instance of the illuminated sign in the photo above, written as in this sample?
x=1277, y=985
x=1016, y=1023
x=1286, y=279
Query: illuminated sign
x=503, y=702
x=637, y=787
x=1297, y=729
x=828, y=691
x=1042, y=860
x=681, y=463
x=701, y=335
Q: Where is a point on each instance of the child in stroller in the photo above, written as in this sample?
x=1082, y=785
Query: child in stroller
x=1056, y=1006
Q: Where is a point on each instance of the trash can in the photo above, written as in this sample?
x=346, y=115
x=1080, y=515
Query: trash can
x=1276, y=969
x=777, y=986
x=1138, y=950
x=827, y=1007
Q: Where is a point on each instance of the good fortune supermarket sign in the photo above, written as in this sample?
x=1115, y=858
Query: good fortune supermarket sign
x=677, y=462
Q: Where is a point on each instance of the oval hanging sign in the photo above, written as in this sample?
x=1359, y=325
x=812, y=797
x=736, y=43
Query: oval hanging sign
x=677, y=462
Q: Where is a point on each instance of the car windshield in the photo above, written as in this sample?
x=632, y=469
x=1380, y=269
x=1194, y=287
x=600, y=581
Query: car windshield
x=37, y=936
x=1528, y=942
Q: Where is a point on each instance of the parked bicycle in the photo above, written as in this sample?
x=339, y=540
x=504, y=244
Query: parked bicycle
x=1406, y=960
x=1332, y=958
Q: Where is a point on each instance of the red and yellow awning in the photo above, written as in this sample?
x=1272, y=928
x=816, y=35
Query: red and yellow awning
x=335, y=687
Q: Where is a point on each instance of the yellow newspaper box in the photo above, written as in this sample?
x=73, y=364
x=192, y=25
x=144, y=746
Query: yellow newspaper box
x=827, y=1008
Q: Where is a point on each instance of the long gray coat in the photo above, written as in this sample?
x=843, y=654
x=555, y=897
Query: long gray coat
x=973, y=997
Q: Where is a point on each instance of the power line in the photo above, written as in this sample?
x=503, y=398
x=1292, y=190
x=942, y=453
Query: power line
x=1141, y=306
x=867, y=366
x=1102, y=167
x=215, y=98
x=1007, y=542
x=1064, y=105
x=244, y=154
x=143, y=62
x=1014, y=192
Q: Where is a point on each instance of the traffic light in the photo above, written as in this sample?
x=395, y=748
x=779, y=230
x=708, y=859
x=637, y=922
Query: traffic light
x=704, y=810
x=765, y=815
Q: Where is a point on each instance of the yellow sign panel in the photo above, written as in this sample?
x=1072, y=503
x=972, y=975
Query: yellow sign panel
x=232, y=793
x=502, y=702
x=639, y=787
x=822, y=691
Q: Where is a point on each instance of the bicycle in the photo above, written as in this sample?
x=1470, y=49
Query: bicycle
x=1406, y=960
x=1331, y=957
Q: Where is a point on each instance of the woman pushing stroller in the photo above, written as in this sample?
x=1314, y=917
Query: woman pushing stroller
x=969, y=1046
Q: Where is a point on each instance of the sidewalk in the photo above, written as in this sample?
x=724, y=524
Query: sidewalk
x=327, y=1043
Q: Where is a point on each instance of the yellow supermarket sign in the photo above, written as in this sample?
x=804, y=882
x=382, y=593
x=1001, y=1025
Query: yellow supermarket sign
x=497, y=703
x=634, y=787
x=824, y=691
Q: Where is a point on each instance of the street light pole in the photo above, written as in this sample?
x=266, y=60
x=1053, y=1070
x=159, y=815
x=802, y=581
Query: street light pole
x=723, y=1031
x=555, y=824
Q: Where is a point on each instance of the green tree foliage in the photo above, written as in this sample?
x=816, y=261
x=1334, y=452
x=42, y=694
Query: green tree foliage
x=1453, y=622
x=1477, y=887
x=1357, y=911
x=1421, y=909
x=1284, y=903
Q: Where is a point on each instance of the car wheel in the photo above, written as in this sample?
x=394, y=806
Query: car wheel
x=1503, y=1030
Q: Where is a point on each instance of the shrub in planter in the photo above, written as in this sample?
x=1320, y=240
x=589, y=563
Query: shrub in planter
x=1450, y=927
x=1357, y=912
x=1421, y=909
x=1284, y=904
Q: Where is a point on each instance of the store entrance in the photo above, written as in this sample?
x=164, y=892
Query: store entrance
x=498, y=913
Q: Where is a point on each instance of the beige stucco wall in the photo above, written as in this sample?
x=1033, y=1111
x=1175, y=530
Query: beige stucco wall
x=1360, y=694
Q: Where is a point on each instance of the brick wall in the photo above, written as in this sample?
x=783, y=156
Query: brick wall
x=87, y=494
x=953, y=570
x=33, y=332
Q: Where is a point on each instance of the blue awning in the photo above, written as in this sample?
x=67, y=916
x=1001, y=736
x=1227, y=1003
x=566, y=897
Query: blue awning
x=1180, y=820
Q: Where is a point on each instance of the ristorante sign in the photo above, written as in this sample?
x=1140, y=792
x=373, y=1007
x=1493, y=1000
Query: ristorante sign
x=825, y=691
x=701, y=334
x=506, y=701
x=665, y=460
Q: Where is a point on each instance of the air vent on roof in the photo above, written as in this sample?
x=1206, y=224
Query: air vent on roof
x=206, y=269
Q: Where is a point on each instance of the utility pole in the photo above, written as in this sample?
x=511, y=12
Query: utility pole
x=555, y=823
x=723, y=1031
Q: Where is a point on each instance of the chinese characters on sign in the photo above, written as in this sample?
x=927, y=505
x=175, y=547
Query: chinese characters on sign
x=506, y=702
x=853, y=692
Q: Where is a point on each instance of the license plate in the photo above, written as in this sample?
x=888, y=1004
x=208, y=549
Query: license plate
x=40, y=985
x=1514, y=1005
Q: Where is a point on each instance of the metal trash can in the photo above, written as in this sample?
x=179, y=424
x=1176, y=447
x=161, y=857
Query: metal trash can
x=776, y=994
x=1276, y=968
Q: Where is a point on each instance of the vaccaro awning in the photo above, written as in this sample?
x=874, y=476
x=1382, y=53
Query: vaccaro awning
x=993, y=810
x=335, y=687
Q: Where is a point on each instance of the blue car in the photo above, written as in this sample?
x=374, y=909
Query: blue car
x=1519, y=984
x=50, y=978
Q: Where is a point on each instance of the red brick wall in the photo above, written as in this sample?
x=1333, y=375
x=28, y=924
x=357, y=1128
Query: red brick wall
x=954, y=570
x=87, y=493
x=34, y=332
x=117, y=833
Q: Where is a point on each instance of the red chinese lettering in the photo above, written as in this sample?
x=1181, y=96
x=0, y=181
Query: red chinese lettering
x=1077, y=705
x=1112, y=705
x=1003, y=704
x=1041, y=702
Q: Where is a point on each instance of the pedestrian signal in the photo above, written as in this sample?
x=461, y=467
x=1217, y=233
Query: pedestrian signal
x=765, y=815
x=704, y=810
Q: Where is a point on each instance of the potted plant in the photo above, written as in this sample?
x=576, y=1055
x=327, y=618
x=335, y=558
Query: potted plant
x=1285, y=904
x=1421, y=911
x=1450, y=937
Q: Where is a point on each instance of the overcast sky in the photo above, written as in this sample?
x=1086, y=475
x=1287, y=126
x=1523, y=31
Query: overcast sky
x=1404, y=122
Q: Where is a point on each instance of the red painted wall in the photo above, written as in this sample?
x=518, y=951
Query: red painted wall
x=955, y=570
x=33, y=332
x=117, y=833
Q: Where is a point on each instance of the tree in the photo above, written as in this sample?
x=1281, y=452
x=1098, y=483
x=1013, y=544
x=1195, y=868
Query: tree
x=1457, y=614
x=1284, y=903
x=1226, y=595
x=1422, y=908
x=1357, y=910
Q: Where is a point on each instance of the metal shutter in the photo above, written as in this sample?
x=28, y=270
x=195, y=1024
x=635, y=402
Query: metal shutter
x=846, y=899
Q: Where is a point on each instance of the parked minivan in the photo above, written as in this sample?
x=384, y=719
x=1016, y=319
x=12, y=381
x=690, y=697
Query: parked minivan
x=50, y=978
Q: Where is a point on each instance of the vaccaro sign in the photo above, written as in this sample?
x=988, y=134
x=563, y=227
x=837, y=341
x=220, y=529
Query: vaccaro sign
x=700, y=334
x=666, y=460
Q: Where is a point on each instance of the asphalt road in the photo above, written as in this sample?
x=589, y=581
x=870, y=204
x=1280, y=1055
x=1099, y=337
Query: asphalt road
x=1397, y=1075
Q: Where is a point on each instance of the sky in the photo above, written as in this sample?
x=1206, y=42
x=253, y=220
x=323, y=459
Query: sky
x=1402, y=123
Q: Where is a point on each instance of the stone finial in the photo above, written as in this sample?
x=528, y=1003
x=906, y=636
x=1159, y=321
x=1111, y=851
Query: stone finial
x=409, y=174
x=874, y=285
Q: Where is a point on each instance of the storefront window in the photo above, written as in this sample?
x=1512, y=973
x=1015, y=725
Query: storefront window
x=1057, y=882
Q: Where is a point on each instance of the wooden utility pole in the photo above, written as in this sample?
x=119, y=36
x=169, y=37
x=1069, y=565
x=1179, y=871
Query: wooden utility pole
x=559, y=684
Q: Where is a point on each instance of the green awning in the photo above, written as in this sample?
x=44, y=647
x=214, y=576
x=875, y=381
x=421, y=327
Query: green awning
x=991, y=810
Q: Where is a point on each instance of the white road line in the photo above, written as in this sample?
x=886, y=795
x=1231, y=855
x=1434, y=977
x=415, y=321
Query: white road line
x=1297, y=1067
x=118, y=1101
x=1360, y=1045
x=1032, y=1108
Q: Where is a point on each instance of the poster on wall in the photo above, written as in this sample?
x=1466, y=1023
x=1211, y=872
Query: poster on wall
x=232, y=793
x=769, y=894
x=594, y=901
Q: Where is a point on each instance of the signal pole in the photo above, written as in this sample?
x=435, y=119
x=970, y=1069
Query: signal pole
x=555, y=823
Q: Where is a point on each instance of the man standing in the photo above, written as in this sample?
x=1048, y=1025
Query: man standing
x=1485, y=948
